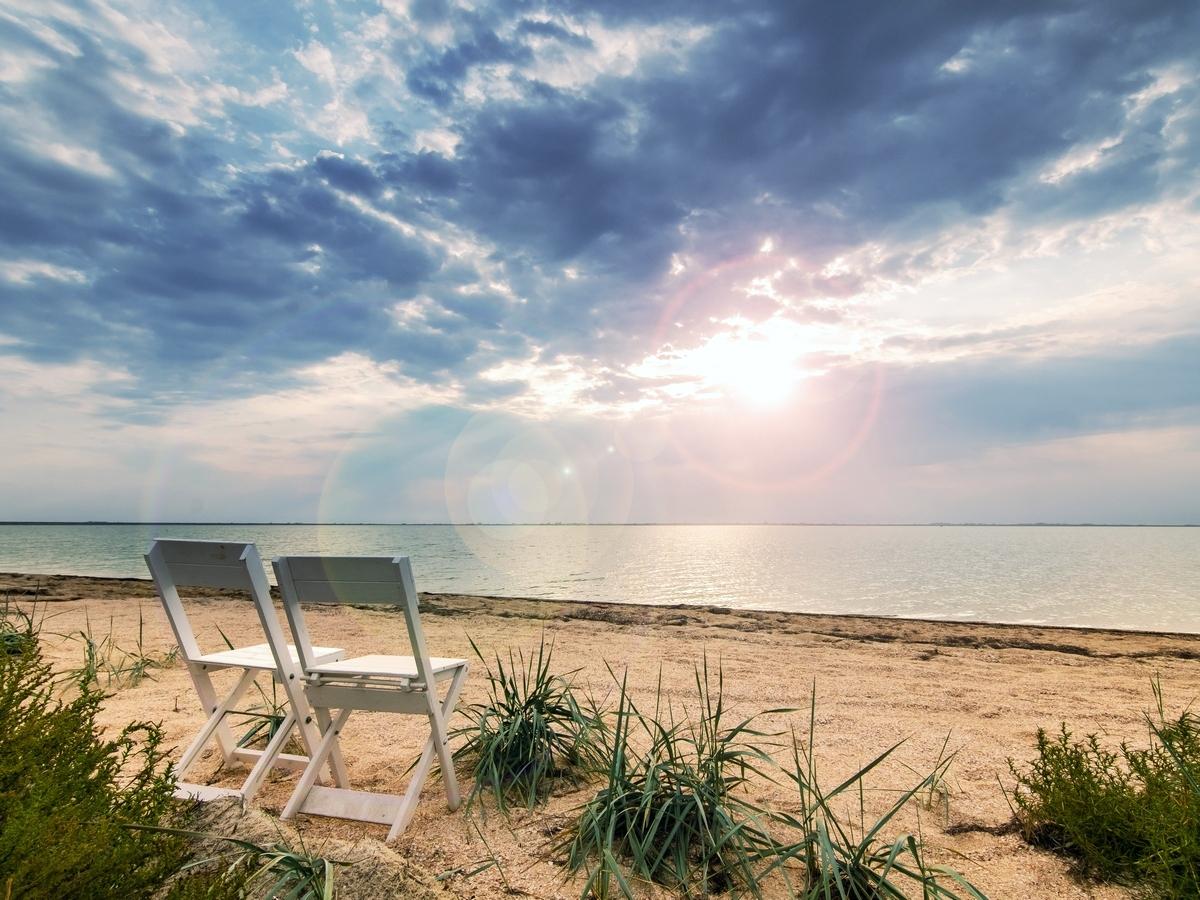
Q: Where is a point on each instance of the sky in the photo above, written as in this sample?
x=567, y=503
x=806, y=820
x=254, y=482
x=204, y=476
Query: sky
x=600, y=262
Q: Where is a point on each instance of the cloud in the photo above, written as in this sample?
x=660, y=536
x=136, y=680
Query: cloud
x=537, y=211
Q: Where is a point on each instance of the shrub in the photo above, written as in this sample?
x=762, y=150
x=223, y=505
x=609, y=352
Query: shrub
x=1130, y=815
x=83, y=817
x=673, y=813
x=65, y=792
x=531, y=730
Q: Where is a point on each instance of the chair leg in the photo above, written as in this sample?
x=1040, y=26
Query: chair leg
x=437, y=742
x=207, y=694
x=445, y=758
x=408, y=805
x=270, y=753
x=315, y=763
x=215, y=720
x=337, y=766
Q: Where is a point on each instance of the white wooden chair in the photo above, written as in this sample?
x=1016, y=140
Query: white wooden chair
x=184, y=563
x=397, y=684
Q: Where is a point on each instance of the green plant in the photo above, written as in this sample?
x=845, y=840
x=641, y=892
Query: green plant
x=853, y=860
x=1125, y=814
x=531, y=730
x=18, y=630
x=251, y=869
x=1076, y=798
x=675, y=812
x=65, y=792
x=936, y=793
x=264, y=718
x=490, y=861
x=118, y=667
x=138, y=662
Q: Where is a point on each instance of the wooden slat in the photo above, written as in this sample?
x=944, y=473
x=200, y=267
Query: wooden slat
x=358, y=805
x=204, y=792
x=371, y=699
x=343, y=568
x=385, y=666
x=259, y=657
x=191, y=575
x=282, y=761
x=203, y=553
x=362, y=592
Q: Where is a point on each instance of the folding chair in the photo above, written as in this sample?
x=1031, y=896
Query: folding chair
x=397, y=684
x=181, y=563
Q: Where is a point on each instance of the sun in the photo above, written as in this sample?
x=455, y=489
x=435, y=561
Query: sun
x=759, y=376
x=756, y=365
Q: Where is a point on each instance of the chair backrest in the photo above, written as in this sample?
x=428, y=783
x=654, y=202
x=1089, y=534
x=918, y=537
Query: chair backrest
x=177, y=563
x=184, y=563
x=359, y=580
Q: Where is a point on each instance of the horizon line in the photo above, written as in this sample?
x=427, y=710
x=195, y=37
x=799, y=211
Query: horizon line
x=617, y=524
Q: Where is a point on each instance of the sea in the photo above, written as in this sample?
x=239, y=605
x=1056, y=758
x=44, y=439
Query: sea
x=1143, y=578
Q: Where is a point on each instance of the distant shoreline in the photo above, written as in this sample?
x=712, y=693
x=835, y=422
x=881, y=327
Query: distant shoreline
x=637, y=524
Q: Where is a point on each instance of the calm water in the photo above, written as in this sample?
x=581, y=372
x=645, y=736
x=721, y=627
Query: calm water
x=1147, y=578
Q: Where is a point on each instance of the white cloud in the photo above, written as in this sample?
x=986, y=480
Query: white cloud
x=23, y=271
x=318, y=59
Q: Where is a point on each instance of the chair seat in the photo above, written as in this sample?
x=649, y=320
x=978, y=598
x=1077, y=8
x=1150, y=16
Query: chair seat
x=377, y=666
x=259, y=657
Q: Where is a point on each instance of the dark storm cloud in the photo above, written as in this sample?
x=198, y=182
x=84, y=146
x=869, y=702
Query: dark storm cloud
x=846, y=119
x=439, y=75
x=186, y=262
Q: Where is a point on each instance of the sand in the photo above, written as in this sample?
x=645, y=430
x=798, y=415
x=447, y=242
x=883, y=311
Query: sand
x=878, y=681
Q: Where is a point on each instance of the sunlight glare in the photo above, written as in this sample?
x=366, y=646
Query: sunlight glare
x=757, y=372
x=756, y=364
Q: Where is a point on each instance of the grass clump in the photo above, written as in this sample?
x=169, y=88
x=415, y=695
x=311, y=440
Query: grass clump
x=671, y=809
x=103, y=659
x=65, y=792
x=852, y=860
x=263, y=720
x=18, y=630
x=531, y=730
x=248, y=869
x=675, y=810
x=1127, y=814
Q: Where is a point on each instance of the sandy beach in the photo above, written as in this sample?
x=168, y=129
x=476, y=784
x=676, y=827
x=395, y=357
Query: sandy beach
x=877, y=680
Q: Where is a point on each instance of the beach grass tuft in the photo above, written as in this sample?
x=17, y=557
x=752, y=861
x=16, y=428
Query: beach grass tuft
x=18, y=630
x=671, y=809
x=249, y=869
x=104, y=660
x=852, y=859
x=532, y=729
